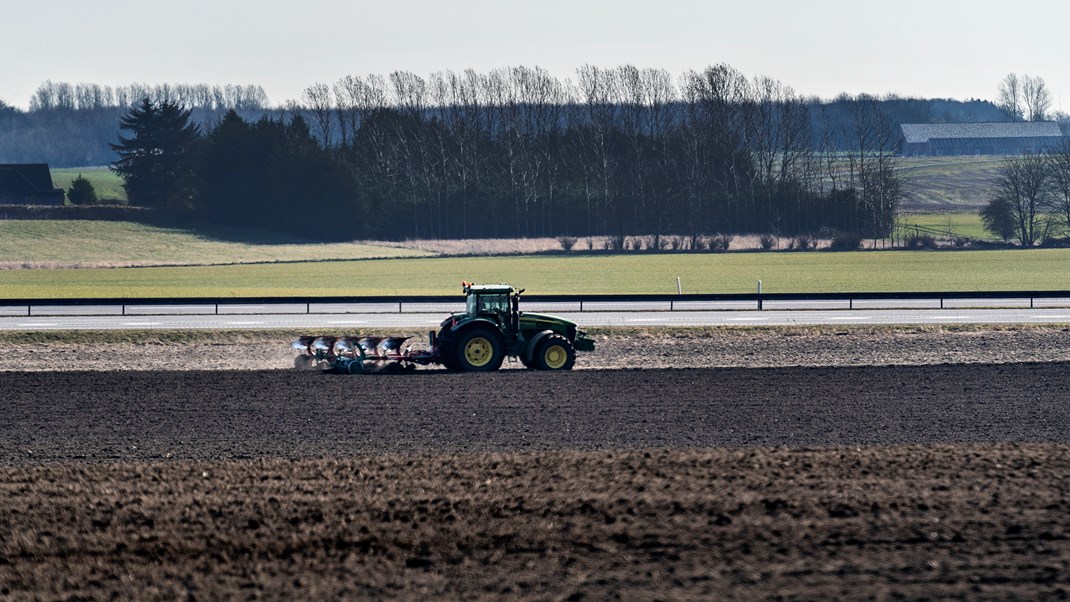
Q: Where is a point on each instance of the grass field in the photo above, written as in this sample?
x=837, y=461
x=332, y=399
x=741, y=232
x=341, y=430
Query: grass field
x=1039, y=269
x=967, y=225
x=109, y=186
x=78, y=243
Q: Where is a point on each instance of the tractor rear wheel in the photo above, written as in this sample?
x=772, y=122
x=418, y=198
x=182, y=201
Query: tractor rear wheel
x=479, y=350
x=555, y=353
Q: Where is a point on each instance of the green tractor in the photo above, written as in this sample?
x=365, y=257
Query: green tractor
x=491, y=329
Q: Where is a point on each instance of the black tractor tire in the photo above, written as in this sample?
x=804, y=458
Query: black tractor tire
x=554, y=353
x=478, y=350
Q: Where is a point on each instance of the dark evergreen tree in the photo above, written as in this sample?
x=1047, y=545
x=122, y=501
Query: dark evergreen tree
x=82, y=192
x=154, y=161
x=276, y=176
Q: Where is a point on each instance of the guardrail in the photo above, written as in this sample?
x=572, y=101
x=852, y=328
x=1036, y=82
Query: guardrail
x=759, y=299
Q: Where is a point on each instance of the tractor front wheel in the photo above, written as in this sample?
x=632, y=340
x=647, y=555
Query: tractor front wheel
x=479, y=350
x=555, y=353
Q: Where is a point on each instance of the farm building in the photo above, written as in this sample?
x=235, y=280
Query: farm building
x=28, y=184
x=952, y=139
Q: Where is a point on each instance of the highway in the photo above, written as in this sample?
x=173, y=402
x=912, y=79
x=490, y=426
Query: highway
x=386, y=317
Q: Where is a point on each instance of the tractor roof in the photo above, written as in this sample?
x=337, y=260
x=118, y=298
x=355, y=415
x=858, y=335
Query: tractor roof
x=489, y=288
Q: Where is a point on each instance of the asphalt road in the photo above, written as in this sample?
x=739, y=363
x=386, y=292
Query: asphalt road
x=334, y=317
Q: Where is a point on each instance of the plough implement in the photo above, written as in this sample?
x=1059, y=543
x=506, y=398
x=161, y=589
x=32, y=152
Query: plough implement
x=491, y=329
x=353, y=355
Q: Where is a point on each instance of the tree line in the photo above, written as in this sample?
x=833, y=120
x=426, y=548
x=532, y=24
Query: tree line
x=72, y=125
x=515, y=152
x=64, y=96
x=519, y=153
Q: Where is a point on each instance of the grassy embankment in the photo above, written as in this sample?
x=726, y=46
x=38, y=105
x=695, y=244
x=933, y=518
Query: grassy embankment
x=83, y=243
x=1036, y=269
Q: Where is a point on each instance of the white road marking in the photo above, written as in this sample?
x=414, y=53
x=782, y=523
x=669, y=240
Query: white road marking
x=142, y=323
x=36, y=324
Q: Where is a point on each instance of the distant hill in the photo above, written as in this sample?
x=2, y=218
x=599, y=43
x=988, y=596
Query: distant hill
x=949, y=183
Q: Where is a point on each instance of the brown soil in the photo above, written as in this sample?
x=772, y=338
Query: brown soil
x=124, y=416
x=938, y=522
x=946, y=481
x=684, y=348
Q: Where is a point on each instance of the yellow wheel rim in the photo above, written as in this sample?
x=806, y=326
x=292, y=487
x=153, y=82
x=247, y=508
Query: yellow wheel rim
x=478, y=352
x=555, y=357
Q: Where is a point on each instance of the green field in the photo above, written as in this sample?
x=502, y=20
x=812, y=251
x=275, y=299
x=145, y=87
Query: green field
x=968, y=225
x=1034, y=269
x=109, y=186
x=78, y=243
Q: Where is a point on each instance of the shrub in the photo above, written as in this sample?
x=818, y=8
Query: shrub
x=846, y=241
x=566, y=242
x=720, y=243
x=767, y=241
x=803, y=242
x=920, y=242
x=82, y=192
x=1055, y=243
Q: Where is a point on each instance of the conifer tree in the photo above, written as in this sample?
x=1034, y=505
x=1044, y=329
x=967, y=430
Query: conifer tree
x=82, y=192
x=154, y=159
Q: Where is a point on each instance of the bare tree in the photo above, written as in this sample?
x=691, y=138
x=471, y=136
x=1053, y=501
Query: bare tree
x=317, y=98
x=1009, y=97
x=873, y=164
x=1059, y=164
x=599, y=93
x=1036, y=98
x=1024, y=184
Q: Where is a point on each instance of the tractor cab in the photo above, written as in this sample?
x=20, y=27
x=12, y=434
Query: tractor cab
x=499, y=303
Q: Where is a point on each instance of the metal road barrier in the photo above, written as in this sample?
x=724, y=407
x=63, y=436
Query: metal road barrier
x=436, y=303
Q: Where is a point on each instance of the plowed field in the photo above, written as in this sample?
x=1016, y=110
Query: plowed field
x=863, y=482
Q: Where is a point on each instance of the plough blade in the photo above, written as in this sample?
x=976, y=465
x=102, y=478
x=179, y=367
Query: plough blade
x=358, y=354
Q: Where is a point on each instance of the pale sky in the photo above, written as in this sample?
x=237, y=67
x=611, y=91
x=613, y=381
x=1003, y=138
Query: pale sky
x=931, y=48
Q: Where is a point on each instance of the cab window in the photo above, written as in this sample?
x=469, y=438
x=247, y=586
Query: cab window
x=488, y=304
